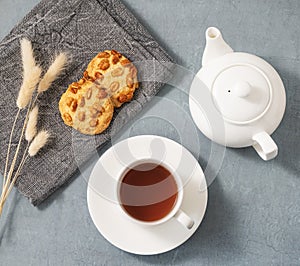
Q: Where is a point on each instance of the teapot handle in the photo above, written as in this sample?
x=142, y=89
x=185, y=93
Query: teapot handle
x=265, y=146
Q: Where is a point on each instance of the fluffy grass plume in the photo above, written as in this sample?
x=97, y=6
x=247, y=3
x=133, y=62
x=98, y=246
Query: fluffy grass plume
x=31, y=128
x=27, y=54
x=31, y=74
x=53, y=72
x=39, y=142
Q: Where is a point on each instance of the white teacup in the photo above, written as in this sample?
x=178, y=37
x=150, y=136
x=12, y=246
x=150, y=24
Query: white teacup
x=175, y=212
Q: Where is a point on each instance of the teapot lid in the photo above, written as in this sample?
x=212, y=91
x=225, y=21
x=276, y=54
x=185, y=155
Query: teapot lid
x=242, y=93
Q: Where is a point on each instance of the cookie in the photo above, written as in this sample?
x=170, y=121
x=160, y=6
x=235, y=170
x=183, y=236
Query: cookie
x=87, y=107
x=109, y=81
x=115, y=73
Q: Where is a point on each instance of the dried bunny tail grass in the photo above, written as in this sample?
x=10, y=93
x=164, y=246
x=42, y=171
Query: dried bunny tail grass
x=39, y=142
x=31, y=129
x=31, y=74
x=53, y=72
x=30, y=82
x=27, y=54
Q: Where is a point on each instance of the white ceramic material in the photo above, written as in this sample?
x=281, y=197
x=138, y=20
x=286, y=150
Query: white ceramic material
x=118, y=228
x=176, y=212
x=245, y=90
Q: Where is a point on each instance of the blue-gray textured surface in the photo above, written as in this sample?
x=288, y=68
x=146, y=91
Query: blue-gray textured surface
x=253, y=214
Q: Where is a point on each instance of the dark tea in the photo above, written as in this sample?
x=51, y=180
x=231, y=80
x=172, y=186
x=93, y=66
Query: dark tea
x=148, y=192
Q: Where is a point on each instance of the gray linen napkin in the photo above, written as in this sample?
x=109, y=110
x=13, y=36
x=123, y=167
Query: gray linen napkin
x=83, y=28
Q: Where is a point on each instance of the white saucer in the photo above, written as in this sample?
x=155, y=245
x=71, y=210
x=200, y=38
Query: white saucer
x=121, y=231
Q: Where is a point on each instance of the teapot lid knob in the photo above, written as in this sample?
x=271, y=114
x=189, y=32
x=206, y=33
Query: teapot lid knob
x=241, y=89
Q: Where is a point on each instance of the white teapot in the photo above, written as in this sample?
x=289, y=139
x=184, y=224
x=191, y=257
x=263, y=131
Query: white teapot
x=245, y=92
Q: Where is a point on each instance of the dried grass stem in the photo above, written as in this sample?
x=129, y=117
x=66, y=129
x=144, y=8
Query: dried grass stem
x=9, y=146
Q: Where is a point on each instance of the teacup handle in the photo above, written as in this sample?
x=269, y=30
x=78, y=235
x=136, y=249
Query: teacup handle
x=265, y=146
x=184, y=219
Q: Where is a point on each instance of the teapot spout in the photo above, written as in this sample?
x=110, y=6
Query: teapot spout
x=215, y=46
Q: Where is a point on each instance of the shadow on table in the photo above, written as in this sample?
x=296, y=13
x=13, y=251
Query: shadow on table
x=58, y=195
x=287, y=135
x=288, y=141
x=158, y=38
x=8, y=216
x=215, y=234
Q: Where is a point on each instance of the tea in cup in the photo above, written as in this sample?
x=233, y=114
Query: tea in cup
x=151, y=193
